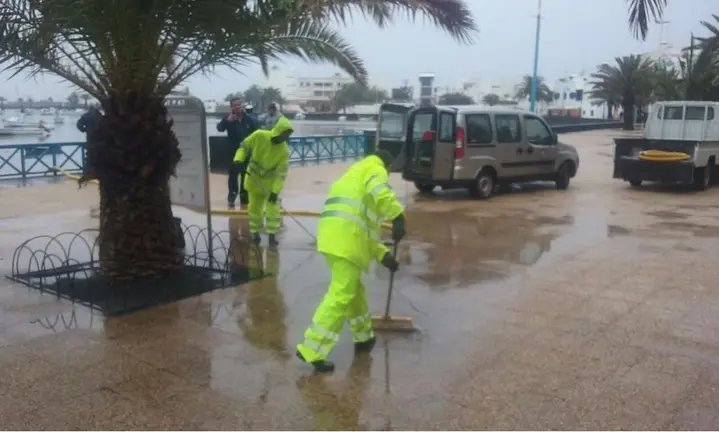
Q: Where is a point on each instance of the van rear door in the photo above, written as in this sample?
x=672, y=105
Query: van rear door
x=392, y=132
x=445, y=147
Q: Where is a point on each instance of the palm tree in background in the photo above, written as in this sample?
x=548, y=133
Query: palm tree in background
x=272, y=95
x=523, y=90
x=130, y=69
x=85, y=97
x=629, y=82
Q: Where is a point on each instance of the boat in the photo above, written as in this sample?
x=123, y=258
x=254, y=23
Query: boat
x=19, y=123
x=10, y=132
x=46, y=111
x=59, y=119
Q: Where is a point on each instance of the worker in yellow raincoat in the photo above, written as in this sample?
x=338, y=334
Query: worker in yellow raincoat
x=266, y=175
x=349, y=236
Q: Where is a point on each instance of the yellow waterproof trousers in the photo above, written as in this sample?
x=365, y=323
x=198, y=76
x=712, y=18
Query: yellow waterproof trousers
x=346, y=300
x=258, y=208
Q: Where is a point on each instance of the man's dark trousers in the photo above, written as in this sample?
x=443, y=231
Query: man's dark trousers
x=236, y=183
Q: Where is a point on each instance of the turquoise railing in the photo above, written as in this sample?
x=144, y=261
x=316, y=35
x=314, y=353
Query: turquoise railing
x=23, y=161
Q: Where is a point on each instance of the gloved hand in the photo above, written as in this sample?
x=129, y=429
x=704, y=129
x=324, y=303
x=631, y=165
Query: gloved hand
x=272, y=198
x=389, y=262
x=398, y=231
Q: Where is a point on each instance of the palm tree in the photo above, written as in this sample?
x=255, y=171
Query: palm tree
x=272, y=95
x=641, y=12
x=85, y=97
x=629, y=82
x=73, y=100
x=130, y=69
x=491, y=99
x=253, y=96
x=523, y=90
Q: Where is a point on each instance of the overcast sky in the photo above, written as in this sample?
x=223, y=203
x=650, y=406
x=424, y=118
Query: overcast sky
x=577, y=35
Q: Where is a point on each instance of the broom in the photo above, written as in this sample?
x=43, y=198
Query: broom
x=388, y=322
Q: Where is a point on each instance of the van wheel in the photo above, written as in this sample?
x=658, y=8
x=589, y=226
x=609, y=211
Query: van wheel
x=702, y=178
x=483, y=186
x=424, y=187
x=635, y=183
x=562, y=177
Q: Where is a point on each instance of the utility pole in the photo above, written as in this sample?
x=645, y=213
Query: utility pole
x=690, y=67
x=533, y=93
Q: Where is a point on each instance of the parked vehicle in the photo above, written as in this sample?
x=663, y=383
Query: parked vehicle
x=680, y=145
x=474, y=147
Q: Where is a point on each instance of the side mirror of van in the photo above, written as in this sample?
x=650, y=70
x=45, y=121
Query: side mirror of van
x=555, y=139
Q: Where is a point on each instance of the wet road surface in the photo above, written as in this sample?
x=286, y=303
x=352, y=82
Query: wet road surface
x=592, y=308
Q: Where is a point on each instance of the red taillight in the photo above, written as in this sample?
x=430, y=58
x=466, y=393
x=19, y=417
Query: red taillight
x=428, y=135
x=459, y=146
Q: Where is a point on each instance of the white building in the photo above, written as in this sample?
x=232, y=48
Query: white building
x=317, y=92
x=572, y=97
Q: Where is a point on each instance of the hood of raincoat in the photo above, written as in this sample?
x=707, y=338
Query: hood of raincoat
x=282, y=125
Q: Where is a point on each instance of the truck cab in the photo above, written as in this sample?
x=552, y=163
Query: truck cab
x=473, y=147
x=680, y=144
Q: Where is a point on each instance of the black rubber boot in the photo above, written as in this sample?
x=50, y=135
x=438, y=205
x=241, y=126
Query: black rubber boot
x=230, y=205
x=366, y=346
x=273, y=240
x=322, y=366
x=231, y=201
x=256, y=239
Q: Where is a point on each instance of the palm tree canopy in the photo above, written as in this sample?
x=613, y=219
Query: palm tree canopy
x=152, y=46
x=523, y=90
x=631, y=79
x=641, y=12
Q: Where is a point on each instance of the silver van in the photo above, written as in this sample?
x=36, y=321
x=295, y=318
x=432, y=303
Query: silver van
x=474, y=147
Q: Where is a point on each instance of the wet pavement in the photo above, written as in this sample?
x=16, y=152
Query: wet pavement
x=592, y=308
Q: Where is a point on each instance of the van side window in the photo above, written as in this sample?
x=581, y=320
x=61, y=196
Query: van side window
x=710, y=113
x=446, y=127
x=674, y=113
x=508, y=130
x=537, y=132
x=694, y=113
x=479, y=129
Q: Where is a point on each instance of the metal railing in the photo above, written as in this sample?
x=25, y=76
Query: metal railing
x=24, y=161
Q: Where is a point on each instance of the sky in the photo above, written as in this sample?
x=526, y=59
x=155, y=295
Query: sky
x=576, y=36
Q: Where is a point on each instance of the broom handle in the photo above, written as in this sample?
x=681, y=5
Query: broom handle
x=391, y=284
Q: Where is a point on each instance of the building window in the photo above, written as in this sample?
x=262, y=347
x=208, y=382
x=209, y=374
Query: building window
x=591, y=113
x=572, y=95
x=580, y=94
x=328, y=84
x=557, y=96
x=318, y=84
x=317, y=93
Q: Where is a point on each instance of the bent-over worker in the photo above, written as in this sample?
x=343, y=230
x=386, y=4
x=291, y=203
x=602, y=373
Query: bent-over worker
x=266, y=176
x=349, y=235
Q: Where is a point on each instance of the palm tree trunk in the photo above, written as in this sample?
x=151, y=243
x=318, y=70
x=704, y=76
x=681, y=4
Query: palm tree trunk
x=628, y=108
x=132, y=153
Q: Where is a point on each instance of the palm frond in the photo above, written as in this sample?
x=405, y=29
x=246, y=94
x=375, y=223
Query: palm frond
x=640, y=14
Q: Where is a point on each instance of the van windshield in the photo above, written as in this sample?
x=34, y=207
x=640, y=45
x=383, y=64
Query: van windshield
x=392, y=125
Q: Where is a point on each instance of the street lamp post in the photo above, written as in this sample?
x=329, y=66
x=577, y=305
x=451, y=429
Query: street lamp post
x=533, y=93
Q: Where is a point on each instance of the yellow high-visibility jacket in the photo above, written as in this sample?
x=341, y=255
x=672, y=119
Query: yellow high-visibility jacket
x=357, y=204
x=268, y=166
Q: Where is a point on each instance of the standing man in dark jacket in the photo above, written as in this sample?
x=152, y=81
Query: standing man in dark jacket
x=238, y=126
x=88, y=121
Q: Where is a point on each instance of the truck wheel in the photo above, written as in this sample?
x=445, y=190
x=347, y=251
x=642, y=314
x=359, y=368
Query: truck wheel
x=702, y=178
x=563, y=177
x=635, y=183
x=483, y=186
x=424, y=187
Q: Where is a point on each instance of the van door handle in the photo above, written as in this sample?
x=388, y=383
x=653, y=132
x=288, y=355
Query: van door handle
x=520, y=150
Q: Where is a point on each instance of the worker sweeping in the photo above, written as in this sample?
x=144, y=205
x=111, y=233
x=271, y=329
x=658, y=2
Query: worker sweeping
x=266, y=175
x=349, y=236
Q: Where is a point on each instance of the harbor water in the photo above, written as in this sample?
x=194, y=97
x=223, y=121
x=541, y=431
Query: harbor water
x=67, y=132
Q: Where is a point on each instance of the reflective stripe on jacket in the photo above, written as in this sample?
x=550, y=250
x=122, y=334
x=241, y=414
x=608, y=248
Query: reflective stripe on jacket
x=356, y=206
x=267, y=170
